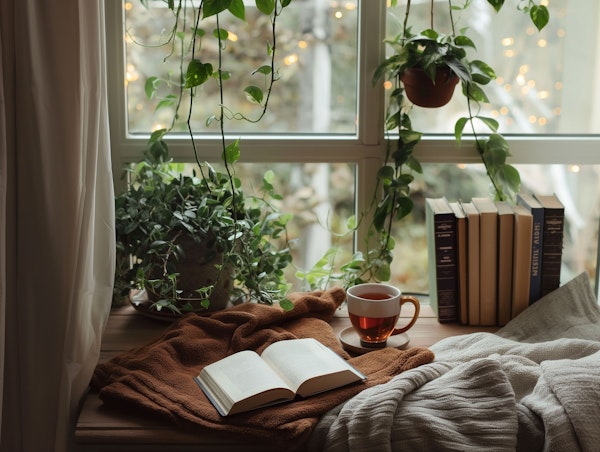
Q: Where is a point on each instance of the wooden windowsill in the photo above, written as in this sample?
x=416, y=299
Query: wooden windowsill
x=100, y=428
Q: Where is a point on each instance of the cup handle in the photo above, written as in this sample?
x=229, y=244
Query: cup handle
x=415, y=302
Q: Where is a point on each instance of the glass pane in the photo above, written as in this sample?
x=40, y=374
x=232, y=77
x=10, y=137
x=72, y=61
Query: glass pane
x=315, y=40
x=545, y=80
x=577, y=187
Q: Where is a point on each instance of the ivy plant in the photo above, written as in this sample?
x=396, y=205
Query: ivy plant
x=161, y=204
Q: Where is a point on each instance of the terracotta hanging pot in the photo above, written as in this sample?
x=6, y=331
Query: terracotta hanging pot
x=421, y=91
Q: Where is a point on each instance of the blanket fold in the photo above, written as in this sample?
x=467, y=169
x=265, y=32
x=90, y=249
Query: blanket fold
x=533, y=385
x=157, y=378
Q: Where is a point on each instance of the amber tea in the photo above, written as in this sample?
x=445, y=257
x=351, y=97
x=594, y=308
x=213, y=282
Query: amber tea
x=373, y=329
x=374, y=309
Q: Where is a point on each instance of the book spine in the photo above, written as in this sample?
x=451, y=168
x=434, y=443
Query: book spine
x=552, y=246
x=444, y=253
x=537, y=238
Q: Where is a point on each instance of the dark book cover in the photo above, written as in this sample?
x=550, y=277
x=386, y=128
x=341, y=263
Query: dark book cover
x=537, y=238
x=442, y=259
x=552, y=248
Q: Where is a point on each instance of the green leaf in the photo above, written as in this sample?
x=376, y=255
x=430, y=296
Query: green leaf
x=414, y=164
x=197, y=73
x=286, y=305
x=383, y=272
x=476, y=93
x=539, y=16
x=254, y=94
x=464, y=41
x=496, y=4
x=510, y=178
x=157, y=135
x=405, y=206
x=495, y=151
x=459, y=128
x=238, y=9
x=490, y=122
x=380, y=214
x=221, y=34
x=159, y=150
x=386, y=173
x=150, y=86
x=351, y=223
x=168, y=101
x=232, y=152
x=265, y=69
x=269, y=177
x=285, y=3
x=266, y=6
x=410, y=136
x=212, y=7
x=481, y=72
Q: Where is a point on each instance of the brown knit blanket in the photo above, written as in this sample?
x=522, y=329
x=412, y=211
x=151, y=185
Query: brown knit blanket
x=157, y=378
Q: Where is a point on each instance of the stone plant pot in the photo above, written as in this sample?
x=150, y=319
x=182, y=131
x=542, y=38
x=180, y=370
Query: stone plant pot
x=196, y=271
x=422, y=91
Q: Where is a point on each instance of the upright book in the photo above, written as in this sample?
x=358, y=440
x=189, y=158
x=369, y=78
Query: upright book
x=537, y=238
x=472, y=262
x=552, y=245
x=442, y=261
x=521, y=259
x=488, y=260
x=506, y=227
x=245, y=380
x=461, y=257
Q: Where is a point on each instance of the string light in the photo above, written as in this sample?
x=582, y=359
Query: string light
x=290, y=59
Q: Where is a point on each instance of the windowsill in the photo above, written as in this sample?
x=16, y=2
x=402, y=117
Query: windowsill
x=100, y=428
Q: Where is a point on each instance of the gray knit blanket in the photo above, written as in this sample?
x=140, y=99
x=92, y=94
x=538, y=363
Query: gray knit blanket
x=534, y=385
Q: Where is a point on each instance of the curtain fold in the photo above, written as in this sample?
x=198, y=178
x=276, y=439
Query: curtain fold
x=57, y=196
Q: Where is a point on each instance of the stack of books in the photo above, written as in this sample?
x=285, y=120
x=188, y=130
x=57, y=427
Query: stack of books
x=489, y=260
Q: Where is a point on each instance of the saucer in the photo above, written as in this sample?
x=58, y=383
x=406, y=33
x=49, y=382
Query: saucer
x=351, y=341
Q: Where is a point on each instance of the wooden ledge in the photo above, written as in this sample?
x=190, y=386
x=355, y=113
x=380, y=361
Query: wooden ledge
x=101, y=428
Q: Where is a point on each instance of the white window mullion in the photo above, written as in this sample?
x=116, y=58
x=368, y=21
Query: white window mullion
x=370, y=107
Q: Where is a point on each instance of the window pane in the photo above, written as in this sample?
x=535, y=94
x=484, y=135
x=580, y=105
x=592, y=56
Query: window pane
x=315, y=40
x=546, y=80
x=577, y=187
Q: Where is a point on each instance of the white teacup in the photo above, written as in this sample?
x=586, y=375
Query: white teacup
x=374, y=309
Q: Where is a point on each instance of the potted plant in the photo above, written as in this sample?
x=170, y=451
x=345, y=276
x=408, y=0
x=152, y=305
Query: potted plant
x=429, y=66
x=180, y=230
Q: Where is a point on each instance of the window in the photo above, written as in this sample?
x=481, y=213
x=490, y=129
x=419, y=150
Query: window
x=325, y=130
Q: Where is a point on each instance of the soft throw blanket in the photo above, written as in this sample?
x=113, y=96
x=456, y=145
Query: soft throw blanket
x=534, y=385
x=157, y=379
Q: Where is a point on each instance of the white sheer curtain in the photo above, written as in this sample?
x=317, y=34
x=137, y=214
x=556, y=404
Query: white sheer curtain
x=56, y=215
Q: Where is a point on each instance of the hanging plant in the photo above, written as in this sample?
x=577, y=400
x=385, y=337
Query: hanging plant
x=436, y=55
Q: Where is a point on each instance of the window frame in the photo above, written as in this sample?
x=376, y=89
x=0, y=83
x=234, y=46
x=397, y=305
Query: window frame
x=366, y=149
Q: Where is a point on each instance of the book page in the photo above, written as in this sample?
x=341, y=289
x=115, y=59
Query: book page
x=302, y=359
x=244, y=374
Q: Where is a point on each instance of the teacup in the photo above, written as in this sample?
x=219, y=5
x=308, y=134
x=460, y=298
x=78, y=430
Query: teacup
x=374, y=309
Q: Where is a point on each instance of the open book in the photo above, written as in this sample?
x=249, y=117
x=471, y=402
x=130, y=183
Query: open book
x=245, y=380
